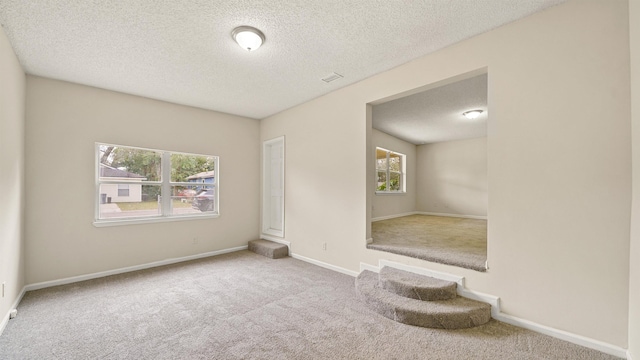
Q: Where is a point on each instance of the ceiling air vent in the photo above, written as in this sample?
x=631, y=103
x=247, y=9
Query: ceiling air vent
x=332, y=77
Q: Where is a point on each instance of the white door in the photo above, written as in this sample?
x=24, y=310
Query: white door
x=273, y=187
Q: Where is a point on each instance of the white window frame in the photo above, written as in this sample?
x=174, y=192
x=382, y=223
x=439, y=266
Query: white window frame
x=403, y=170
x=165, y=184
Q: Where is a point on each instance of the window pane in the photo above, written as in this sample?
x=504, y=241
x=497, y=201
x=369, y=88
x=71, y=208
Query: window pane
x=202, y=200
x=395, y=162
x=381, y=159
x=125, y=163
x=143, y=201
x=182, y=200
x=382, y=181
x=192, y=168
x=394, y=182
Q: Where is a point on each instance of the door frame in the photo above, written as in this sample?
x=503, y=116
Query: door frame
x=267, y=225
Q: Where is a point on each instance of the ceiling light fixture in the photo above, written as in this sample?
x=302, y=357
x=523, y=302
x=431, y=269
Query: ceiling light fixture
x=472, y=114
x=249, y=38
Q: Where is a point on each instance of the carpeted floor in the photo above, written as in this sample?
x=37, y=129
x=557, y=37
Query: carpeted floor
x=446, y=240
x=243, y=306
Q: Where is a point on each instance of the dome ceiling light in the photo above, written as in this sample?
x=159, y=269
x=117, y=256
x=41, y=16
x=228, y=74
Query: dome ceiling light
x=249, y=38
x=472, y=114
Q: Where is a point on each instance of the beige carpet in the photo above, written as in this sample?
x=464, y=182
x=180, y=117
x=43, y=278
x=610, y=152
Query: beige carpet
x=446, y=240
x=244, y=306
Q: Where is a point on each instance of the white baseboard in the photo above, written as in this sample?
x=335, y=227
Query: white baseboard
x=497, y=314
x=629, y=355
x=479, y=217
x=564, y=335
x=364, y=266
x=325, y=265
x=97, y=275
x=5, y=319
x=387, y=217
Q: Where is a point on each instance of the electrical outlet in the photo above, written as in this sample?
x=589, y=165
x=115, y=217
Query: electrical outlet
x=324, y=246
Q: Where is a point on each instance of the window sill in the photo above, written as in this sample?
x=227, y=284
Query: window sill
x=158, y=219
x=391, y=193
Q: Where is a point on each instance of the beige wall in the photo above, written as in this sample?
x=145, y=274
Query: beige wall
x=634, y=281
x=12, y=100
x=447, y=178
x=63, y=123
x=558, y=171
x=394, y=204
x=452, y=177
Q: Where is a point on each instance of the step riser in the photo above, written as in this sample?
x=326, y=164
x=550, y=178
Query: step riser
x=449, y=321
x=419, y=293
x=456, y=313
x=269, y=249
x=416, y=286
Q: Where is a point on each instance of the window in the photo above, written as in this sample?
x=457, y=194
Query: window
x=390, y=168
x=141, y=185
x=123, y=190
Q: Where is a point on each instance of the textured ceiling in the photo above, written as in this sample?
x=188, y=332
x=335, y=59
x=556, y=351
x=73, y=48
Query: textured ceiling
x=436, y=115
x=182, y=51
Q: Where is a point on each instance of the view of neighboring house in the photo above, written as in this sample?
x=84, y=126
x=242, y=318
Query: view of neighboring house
x=206, y=177
x=128, y=190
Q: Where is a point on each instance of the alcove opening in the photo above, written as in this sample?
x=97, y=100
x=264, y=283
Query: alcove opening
x=427, y=163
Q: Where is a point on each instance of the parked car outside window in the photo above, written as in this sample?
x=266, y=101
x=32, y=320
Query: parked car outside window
x=203, y=201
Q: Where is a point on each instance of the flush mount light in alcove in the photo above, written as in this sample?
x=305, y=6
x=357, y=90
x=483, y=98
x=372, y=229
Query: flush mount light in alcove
x=472, y=114
x=249, y=38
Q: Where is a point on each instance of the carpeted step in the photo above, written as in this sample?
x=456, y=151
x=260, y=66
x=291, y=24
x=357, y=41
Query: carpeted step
x=458, y=313
x=416, y=286
x=268, y=248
